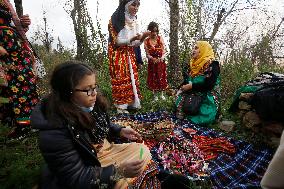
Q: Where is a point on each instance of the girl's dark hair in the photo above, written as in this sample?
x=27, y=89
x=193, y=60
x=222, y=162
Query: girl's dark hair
x=64, y=79
x=152, y=26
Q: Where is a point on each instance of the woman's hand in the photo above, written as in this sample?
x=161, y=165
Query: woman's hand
x=136, y=37
x=130, y=134
x=25, y=21
x=186, y=87
x=3, y=51
x=132, y=168
x=144, y=35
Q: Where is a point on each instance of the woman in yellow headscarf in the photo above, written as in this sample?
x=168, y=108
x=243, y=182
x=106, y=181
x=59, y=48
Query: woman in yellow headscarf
x=198, y=98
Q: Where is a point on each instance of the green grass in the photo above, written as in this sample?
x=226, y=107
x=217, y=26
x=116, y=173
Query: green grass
x=20, y=162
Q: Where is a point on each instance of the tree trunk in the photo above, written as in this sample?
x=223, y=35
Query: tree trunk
x=80, y=25
x=19, y=7
x=175, y=76
x=47, y=39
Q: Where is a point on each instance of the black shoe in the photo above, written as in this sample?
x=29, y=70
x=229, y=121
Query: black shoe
x=174, y=181
x=131, y=108
x=162, y=175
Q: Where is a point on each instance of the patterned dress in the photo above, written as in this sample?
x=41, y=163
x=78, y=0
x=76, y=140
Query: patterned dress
x=110, y=153
x=122, y=62
x=21, y=89
x=157, y=73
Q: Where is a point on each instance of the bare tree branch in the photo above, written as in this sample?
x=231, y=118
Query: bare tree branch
x=230, y=11
x=19, y=7
x=217, y=24
x=277, y=29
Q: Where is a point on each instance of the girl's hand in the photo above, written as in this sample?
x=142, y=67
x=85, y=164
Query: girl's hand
x=186, y=87
x=25, y=21
x=160, y=59
x=3, y=51
x=131, y=168
x=155, y=60
x=130, y=134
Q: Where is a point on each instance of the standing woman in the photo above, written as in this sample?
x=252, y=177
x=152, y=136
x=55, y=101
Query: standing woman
x=199, y=97
x=18, y=61
x=155, y=52
x=123, y=37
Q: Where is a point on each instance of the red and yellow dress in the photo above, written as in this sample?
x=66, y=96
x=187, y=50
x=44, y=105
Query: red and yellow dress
x=157, y=71
x=123, y=71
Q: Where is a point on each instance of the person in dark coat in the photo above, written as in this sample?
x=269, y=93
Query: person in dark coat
x=76, y=137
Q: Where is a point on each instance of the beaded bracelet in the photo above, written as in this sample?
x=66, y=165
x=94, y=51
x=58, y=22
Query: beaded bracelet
x=119, y=172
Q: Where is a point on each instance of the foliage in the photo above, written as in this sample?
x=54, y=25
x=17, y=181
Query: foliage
x=91, y=43
x=20, y=162
x=234, y=74
x=3, y=100
x=50, y=60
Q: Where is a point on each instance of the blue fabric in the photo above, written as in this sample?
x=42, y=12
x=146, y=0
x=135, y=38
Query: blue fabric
x=242, y=170
x=138, y=55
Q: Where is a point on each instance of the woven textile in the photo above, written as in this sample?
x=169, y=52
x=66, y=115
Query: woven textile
x=242, y=168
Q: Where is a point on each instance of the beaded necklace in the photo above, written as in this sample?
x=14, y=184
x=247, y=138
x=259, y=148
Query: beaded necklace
x=100, y=132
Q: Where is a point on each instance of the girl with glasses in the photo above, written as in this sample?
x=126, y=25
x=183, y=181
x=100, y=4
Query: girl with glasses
x=76, y=137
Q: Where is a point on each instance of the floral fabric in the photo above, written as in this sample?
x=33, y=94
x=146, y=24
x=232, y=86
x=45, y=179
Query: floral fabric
x=21, y=89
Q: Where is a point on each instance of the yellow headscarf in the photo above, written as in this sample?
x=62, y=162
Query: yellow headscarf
x=206, y=54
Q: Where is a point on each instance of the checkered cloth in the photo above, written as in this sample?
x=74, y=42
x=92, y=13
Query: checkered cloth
x=244, y=169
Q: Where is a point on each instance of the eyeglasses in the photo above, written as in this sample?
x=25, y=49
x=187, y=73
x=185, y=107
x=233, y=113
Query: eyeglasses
x=90, y=91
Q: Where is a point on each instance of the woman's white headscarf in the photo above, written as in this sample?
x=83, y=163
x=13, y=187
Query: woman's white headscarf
x=127, y=13
x=130, y=21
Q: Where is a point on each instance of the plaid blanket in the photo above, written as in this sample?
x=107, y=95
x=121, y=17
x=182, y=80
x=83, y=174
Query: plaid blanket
x=243, y=169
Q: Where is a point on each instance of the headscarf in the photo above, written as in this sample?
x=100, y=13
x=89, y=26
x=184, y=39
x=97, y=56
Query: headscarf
x=118, y=17
x=206, y=54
